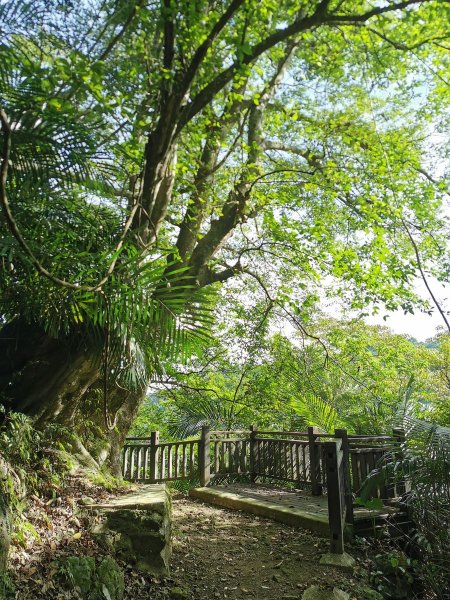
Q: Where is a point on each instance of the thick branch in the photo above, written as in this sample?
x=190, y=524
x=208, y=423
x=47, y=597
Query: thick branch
x=197, y=207
x=169, y=36
x=312, y=159
x=161, y=139
x=234, y=209
x=206, y=45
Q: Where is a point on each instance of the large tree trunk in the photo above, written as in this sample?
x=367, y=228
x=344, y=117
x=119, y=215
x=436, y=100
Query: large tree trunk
x=59, y=381
x=109, y=419
x=43, y=377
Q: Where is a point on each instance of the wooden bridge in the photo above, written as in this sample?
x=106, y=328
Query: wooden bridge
x=230, y=466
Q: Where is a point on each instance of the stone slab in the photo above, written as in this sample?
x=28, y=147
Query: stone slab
x=149, y=497
x=135, y=527
x=264, y=508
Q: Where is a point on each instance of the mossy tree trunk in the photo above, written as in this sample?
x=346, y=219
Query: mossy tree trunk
x=60, y=382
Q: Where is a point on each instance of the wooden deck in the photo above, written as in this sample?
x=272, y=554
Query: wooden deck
x=293, y=507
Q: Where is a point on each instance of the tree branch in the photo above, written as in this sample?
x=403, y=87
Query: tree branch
x=205, y=46
x=400, y=45
x=311, y=158
x=424, y=277
x=234, y=209
x=301, y=24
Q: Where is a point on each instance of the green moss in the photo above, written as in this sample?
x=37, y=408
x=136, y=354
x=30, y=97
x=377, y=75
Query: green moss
x=80, y=572
x=7, y=590
x=102, y=582
x=109, y=576
x=108, y=481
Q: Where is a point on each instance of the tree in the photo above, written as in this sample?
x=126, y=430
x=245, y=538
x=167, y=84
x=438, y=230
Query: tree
x=342, y=374
x=150, y=150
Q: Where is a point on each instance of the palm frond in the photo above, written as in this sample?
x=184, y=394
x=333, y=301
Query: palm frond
x=314, y=410
x=188, y=419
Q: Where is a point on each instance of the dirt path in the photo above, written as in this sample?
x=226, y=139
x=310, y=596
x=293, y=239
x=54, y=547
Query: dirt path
x=219, y=553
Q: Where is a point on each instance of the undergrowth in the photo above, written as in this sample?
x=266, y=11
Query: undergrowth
x=33, y=463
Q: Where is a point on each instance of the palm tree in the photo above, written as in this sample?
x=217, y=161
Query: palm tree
x=86, y=314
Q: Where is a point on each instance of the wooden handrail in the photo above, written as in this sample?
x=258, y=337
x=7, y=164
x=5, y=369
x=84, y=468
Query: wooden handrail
x=180, y=443
x=301, y=442
x=370, y=437
x=299, y=433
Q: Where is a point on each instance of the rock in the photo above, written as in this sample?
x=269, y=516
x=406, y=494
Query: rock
x=105, y=581
x=80, y=572
x=370, y=594
x=342, y=561
x=315, y=593
x=86, y=501
x=110, y=576
x=179, y=593
x=136, y=528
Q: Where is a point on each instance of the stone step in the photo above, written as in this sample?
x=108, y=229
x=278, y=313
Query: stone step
x=135, y=527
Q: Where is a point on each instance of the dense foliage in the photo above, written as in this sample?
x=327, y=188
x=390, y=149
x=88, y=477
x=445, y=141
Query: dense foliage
x=342, y=374
x=149, y=149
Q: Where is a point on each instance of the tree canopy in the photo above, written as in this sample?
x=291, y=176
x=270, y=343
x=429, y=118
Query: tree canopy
x=151, y=149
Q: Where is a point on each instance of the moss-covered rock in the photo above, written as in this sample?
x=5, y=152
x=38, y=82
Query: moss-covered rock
x=135, y=528
x=103, y=581
x=110, y=581
x=80, y=572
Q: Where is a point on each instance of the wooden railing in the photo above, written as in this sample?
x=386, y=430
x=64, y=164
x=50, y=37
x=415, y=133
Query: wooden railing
x=368, y=455
x=149, y=461
x=292, y=456
x=337, y=463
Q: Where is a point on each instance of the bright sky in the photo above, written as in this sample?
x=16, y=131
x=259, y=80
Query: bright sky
x=420, y=325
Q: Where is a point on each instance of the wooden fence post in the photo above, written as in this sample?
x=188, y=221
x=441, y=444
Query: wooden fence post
x=125, y=452
x=335, y=496
x=399, y=435
x=314, y=463
x=342, y=434
x=154, y=441
x=252, y=454
x=204, y=461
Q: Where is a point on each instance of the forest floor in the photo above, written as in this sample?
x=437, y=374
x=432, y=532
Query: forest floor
x=217, y=553
x=220, y=553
